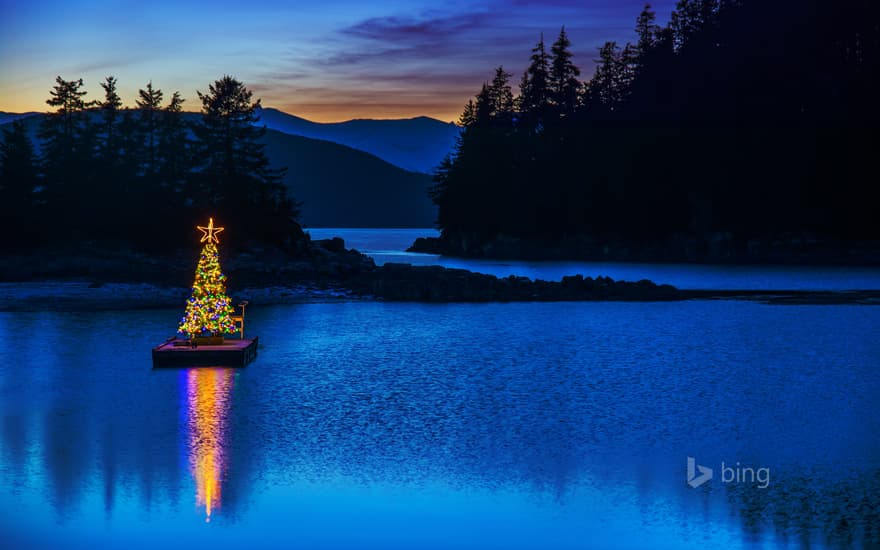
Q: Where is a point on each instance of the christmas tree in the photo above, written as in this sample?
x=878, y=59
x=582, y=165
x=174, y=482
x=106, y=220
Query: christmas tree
x=208, y=310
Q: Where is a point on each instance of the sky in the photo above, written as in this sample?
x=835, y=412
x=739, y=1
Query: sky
x=325, y=60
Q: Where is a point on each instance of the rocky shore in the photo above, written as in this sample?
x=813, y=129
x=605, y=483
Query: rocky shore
x=404, y=282
x=95, y=278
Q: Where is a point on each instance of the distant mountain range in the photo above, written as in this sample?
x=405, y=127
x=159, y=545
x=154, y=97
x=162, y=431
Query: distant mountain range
x=9, y=117
x=340, y=186
x=344, y=187
x=415, y=144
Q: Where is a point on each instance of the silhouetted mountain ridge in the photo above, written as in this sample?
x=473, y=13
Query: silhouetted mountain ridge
x=417, y=144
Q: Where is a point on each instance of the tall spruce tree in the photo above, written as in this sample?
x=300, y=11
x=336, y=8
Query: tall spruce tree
x=109, y=107
x=483, y=108
x=691, y=18
x=237, y=179
x=501, y=98
x=646, y=30
x=606, y=89
x=149, y=104
x=67, y=149
x=563, y=83
x=534, y=88
x=173, y=147
x=18, y=184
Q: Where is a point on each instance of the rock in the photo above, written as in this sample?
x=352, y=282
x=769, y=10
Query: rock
x=428, y=245
x=404, y=282
x=336, y=244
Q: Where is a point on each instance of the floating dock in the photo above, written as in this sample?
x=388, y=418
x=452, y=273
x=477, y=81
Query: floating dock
x=178, y=352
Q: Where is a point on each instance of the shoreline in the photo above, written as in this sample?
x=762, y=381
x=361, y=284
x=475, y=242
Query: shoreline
x=78, y=295
x=117, y=278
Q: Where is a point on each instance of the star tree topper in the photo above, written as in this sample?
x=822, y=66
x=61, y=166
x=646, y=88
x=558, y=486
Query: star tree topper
x=209, y=233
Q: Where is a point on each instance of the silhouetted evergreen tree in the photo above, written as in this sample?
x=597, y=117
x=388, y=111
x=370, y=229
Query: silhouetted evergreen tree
x=101, y=211
x=109, y=107
x=171, y=188
x=235, y=178
x=534, y=95
x=501, y=98
x=469, y=115
x=563, y=84
x=149, y=104
x=18, y=186
x=691, y=18
x=647, y=31
x=67, y=151
x=483, y=108
x=173, y=149
x=607, y=89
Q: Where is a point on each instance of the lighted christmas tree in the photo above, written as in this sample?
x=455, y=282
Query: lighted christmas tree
x=208, y=310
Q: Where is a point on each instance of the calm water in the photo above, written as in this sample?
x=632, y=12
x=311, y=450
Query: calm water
x=389, y=245
x=373, y=425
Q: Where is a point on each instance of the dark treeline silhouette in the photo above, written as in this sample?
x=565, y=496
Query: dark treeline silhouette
x=142, y=176
x=739, y=121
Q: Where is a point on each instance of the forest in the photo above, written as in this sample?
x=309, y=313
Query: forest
x=143, y=176
x=740, y=121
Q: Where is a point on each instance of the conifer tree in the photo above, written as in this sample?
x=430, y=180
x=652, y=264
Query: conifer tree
x=501, y=97
x=67, y=146
x=606, y=87
x=110, y=112
x=534, y=92
x=483, y=108
x=18, y=182
x=563, y=84
x=209, y=309
x=149, y=104
x=468, y=115
x=173, y=146
x=236, y=176
x=690, y=18
x=646, y=30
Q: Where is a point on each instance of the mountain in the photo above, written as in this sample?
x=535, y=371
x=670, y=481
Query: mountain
x=415, y=144
x=9, y=117
x=344, y=187
x=338, y=185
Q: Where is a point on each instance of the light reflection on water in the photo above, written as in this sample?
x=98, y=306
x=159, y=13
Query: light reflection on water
x=380, y=425
x=208, y=393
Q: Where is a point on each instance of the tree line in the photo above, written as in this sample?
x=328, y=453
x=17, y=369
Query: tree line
x=738, y=120
x=103, y=173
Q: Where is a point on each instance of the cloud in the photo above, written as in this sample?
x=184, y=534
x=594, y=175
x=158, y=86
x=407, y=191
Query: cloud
x=439, y=58
x=434, y=29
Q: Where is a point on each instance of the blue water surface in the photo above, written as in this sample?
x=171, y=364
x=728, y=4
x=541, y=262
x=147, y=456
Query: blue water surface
x=393, y=425
x=389, y=245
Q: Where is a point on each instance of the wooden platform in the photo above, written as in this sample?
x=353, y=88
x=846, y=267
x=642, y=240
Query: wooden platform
x=232, y=353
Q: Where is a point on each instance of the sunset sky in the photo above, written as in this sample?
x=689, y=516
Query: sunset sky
x=326, y=60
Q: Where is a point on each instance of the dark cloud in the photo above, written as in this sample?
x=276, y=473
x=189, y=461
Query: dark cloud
x=413, y=30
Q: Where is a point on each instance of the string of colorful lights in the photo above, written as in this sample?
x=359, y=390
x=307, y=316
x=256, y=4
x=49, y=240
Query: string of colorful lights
x=208, y=310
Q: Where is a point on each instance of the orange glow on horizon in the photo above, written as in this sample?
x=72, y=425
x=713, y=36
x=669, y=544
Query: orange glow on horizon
x=342, y=113
x=208, y=401
x=315, y=112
